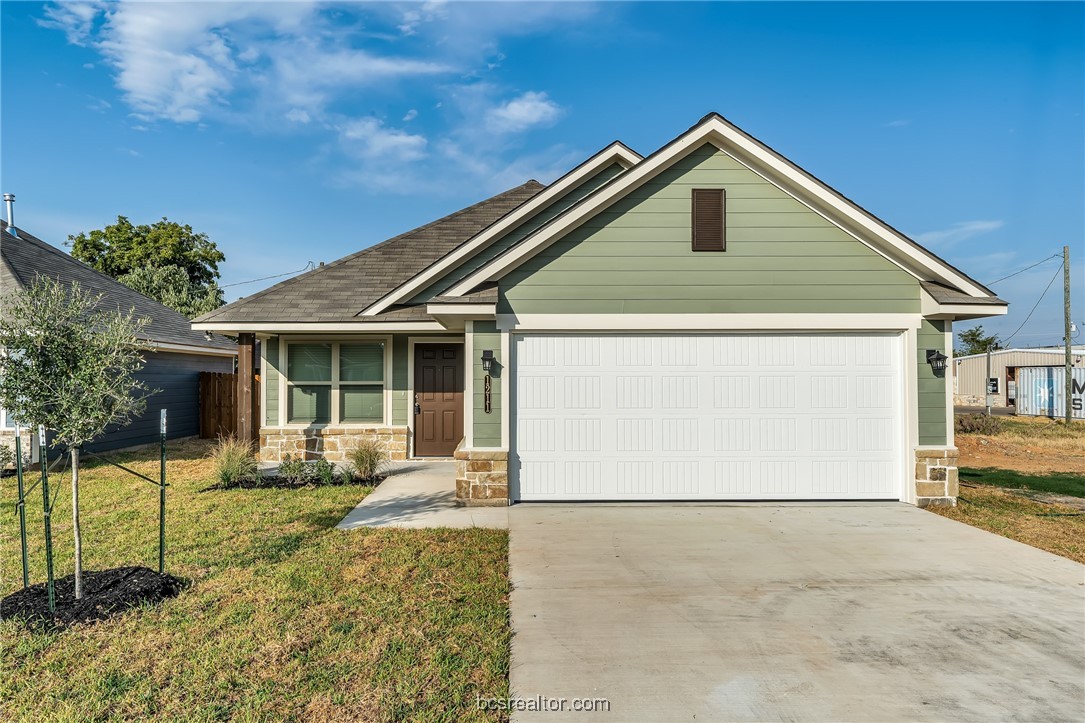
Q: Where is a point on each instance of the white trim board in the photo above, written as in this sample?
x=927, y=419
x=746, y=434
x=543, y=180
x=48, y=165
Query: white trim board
x=614, y=153
x=714, y=129
x=707, y=322
x=363, y=327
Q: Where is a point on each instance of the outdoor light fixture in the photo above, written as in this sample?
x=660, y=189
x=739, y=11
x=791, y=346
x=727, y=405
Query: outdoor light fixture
x=937, y=360
x=487, y=360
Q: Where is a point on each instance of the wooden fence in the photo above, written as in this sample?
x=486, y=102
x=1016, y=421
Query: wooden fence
x=218, y=405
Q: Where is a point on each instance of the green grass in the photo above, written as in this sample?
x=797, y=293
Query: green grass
x=286, y=618
x=1057, y=483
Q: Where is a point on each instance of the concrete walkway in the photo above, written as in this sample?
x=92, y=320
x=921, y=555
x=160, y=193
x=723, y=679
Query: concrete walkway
x=852, y=612
x=421, y=494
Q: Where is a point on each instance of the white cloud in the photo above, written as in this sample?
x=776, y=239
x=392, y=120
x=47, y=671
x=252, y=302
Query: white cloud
x=958, y=232
x=527, y=111
x=371, y=139
x=297, y=115
x=410, y=115
x=899, y=123
x=75, y=19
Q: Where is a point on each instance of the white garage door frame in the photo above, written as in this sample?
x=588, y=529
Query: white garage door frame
x=903, y=392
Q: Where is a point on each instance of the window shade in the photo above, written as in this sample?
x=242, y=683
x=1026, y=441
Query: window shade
x=361, y=362
x=309, y=362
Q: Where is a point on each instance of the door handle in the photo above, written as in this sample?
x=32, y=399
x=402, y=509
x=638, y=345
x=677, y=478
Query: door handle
x=417, y=409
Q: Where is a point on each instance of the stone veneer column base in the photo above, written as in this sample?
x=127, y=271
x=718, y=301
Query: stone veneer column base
x=936, y=477
x=482, y=477
x=331, y=443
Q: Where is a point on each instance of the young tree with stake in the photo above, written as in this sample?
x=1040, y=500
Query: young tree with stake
x=69, y=364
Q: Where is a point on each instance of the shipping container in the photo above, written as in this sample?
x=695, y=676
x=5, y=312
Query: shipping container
x=1041, y=390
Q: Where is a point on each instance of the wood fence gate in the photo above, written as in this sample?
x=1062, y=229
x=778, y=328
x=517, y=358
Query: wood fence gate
x=218, y=405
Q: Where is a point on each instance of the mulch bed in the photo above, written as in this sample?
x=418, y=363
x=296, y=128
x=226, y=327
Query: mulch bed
x=281, y=483
x=105, y=593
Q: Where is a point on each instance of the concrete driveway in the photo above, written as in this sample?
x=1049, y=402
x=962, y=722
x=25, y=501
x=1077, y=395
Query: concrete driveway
x=790, y=612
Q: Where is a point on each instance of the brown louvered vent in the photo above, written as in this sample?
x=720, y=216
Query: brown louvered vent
x=708, y=219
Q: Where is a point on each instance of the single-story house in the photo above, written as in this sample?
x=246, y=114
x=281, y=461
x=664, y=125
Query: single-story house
x=172, y=366
x=970, y=380
x=707, y=322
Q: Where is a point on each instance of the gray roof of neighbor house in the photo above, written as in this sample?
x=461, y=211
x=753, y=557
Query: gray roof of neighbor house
x=339, y=291
x=24, y=257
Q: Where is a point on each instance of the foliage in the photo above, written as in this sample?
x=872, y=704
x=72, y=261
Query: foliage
x=974, y=341
x=324, y=472
x=976, y=424
x=295, y=470
x=171, y=286
x=235, y=463
x=368, y=459
x=123, y=247
x=70, y=363
x=7, y=455
x=287, y=618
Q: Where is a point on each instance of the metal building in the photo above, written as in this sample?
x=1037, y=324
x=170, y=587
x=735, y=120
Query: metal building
x=970, y=372
x=1040, y=392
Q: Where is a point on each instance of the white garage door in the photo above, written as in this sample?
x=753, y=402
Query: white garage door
x=671, y=417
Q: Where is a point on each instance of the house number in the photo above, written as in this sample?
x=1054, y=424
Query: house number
x=486, y=394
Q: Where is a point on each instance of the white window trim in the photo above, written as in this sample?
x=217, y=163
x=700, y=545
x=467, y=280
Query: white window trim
x=335, y=341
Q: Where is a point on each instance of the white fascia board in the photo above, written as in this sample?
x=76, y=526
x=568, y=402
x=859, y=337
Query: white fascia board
x=730, y=139
x=965, y=312
x=303, y=327
x=474, y=311
x=707, y=322
x=190, y=349
x=614, y=153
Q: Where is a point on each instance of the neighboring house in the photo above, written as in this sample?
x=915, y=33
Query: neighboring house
x=173, y=365
x=708, y=322
x=970, y=372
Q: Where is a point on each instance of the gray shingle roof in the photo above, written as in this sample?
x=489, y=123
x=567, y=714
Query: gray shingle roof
x=25, y=257
x=948, y=295
x=339, y=291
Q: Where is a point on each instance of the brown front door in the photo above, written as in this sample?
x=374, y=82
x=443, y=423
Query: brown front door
x=438, y=399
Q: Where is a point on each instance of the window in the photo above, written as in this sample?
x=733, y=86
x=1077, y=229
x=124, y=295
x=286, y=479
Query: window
x=708, y=226
x=333, y=382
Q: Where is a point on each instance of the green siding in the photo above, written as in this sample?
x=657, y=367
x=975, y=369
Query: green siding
x=271, y=381
x=487, y=427
x=932, y=389
x=520, y=232
x=400, y=403
x=635, y=257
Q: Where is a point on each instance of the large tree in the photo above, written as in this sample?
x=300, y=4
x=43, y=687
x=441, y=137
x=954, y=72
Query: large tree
x=123, y=247
x=69, y=364
x=974, y=341
x=170, y=285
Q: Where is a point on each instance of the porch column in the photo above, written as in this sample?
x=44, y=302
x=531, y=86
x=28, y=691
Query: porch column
x=247, y=425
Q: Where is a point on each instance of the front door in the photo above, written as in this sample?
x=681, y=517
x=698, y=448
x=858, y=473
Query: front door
x=438, y=399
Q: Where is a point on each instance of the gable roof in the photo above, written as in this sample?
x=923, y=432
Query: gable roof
x=792, y=179
x=339, y=291
x=25, y=257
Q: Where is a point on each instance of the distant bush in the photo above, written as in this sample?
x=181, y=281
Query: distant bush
x=295, y=470
x=235, y=462
x=7, y=455
x=368, y=459
x=976, y=424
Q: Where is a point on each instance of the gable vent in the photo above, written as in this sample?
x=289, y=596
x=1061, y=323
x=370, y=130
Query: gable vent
x=708, y=219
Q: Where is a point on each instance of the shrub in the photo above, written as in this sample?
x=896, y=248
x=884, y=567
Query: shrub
x=368, y=459
x=7, y=455
x=976, y=424
x=295, y=470
x=235, y=462
x=324, y=472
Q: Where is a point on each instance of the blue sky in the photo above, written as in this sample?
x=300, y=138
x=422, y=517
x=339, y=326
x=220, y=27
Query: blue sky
x=294, y=132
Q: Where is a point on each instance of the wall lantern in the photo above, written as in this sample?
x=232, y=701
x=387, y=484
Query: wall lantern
x=937, y=360
x=487, y=360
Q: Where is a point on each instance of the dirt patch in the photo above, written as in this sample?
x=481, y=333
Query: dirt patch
x=1017, y=454
x=105, y=593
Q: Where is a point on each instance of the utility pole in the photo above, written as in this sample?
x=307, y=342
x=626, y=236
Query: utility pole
x=1068, y=389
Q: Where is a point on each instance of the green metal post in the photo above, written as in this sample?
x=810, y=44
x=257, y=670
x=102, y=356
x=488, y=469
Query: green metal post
x=44, y=461
x=22, y=501
x=162, y=499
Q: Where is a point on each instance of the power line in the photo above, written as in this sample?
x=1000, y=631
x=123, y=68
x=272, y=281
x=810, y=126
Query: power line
x=308, y=266
x=1046, y=288
x=1015, y=273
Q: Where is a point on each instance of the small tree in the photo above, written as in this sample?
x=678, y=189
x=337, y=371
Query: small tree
x=69, y=364
x=974, y=341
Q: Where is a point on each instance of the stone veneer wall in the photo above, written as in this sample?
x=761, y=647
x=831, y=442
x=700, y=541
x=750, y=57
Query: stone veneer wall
x=7, y=437
x=936, y=476
x=331, y=443
x=482, y=477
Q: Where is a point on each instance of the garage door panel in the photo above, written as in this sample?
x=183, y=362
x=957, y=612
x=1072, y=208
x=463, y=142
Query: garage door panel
x=629, y=416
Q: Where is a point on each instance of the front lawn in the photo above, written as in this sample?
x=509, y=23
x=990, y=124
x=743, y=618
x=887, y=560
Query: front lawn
x=286, y=617
x=1056, y=483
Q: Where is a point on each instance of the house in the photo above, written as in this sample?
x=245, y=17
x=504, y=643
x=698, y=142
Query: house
x=178, y=354
x=969, y=373
x=707, y=322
